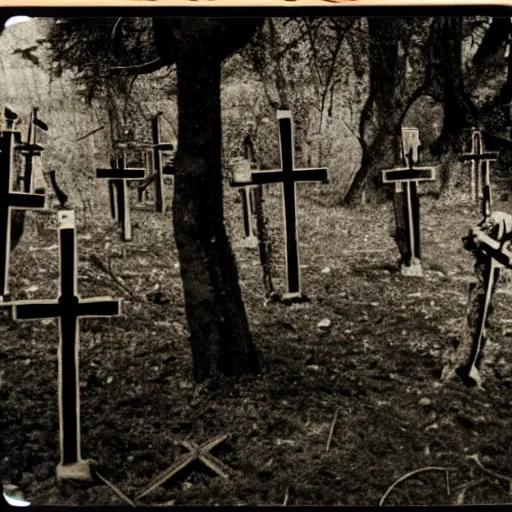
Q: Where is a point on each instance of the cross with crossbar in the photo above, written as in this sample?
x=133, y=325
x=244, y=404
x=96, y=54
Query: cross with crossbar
x=480, y=181
x=118, y=177
x=409, y=177
x=10, y=200
x=288, y=176
x=68, y=308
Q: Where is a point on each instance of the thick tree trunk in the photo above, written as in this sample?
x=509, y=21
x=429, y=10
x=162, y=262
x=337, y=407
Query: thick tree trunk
x=382, y=115
x=219, y=331
x=459, y=111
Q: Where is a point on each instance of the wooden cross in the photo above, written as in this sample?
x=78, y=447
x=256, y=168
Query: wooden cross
x=409, y=177
x=68, y=308
x=158, y=147
x=201, y=453
x=288, y=176
x=498, y=255
x=30, y=149
x=10, y=200
x=480, y=181
x=242, y=166
x=118, y=177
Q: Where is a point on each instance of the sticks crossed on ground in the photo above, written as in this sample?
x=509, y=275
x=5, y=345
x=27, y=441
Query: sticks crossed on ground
x=201, y=453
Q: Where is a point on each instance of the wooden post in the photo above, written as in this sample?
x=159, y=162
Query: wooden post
x=10, y=200
x=158, y=146
x=31, y=149
x=247, y=198
x=68, y=308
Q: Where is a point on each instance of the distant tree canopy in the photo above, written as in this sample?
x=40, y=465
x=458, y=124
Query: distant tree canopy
x=364, y=73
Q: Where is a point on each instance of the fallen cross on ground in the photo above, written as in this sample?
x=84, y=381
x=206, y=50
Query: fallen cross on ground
x=407, y=205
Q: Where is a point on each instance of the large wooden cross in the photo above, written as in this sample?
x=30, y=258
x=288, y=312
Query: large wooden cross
x=480, y=171
x=409, y=177
x=31, y=149
x=118, y=176
x=68, y=308
x=288, y=176
x=10, y=200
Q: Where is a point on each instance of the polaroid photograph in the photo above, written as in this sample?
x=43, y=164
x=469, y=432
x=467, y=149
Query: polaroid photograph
x=255, y=253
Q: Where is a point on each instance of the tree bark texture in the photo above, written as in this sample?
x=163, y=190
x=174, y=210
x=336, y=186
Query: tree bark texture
x=219, y=331
x=382, y=114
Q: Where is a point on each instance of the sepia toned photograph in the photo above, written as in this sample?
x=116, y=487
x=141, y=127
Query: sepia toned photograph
x=256, y=260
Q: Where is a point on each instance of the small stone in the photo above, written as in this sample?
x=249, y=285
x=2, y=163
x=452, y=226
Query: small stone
x=326, y=270
x=425, y=402
x=313, y=367
x=324, y=324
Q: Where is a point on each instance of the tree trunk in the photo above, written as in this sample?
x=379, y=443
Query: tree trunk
x=219, y=331
x=382, y=114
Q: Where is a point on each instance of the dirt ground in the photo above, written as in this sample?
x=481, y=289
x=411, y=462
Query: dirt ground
x=377, y=368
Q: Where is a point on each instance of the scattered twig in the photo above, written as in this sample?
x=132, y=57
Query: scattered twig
x=448, y=483
x=465, y=487
x=286, y=495
x=409, y=475
x=109, y=271
x=331, y=431
x=115, y=489
x=476, y=459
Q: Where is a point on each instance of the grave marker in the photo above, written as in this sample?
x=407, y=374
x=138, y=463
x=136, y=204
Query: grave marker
x=10, y=200
x=68, y=308
x=407, y=204
x=118, y=177
x=248, y=200
x=288, y=176
x=491, y=244
x=158, y=148
x=31, y=149
x=480, y=181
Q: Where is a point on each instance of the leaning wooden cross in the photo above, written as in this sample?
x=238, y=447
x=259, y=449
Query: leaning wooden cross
x=31, y=149
x=118, y=177
x=288, y=176
x=491, y=244
x=480, y=171
x=407, y=204
x=10, y=200
x=68, y=308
